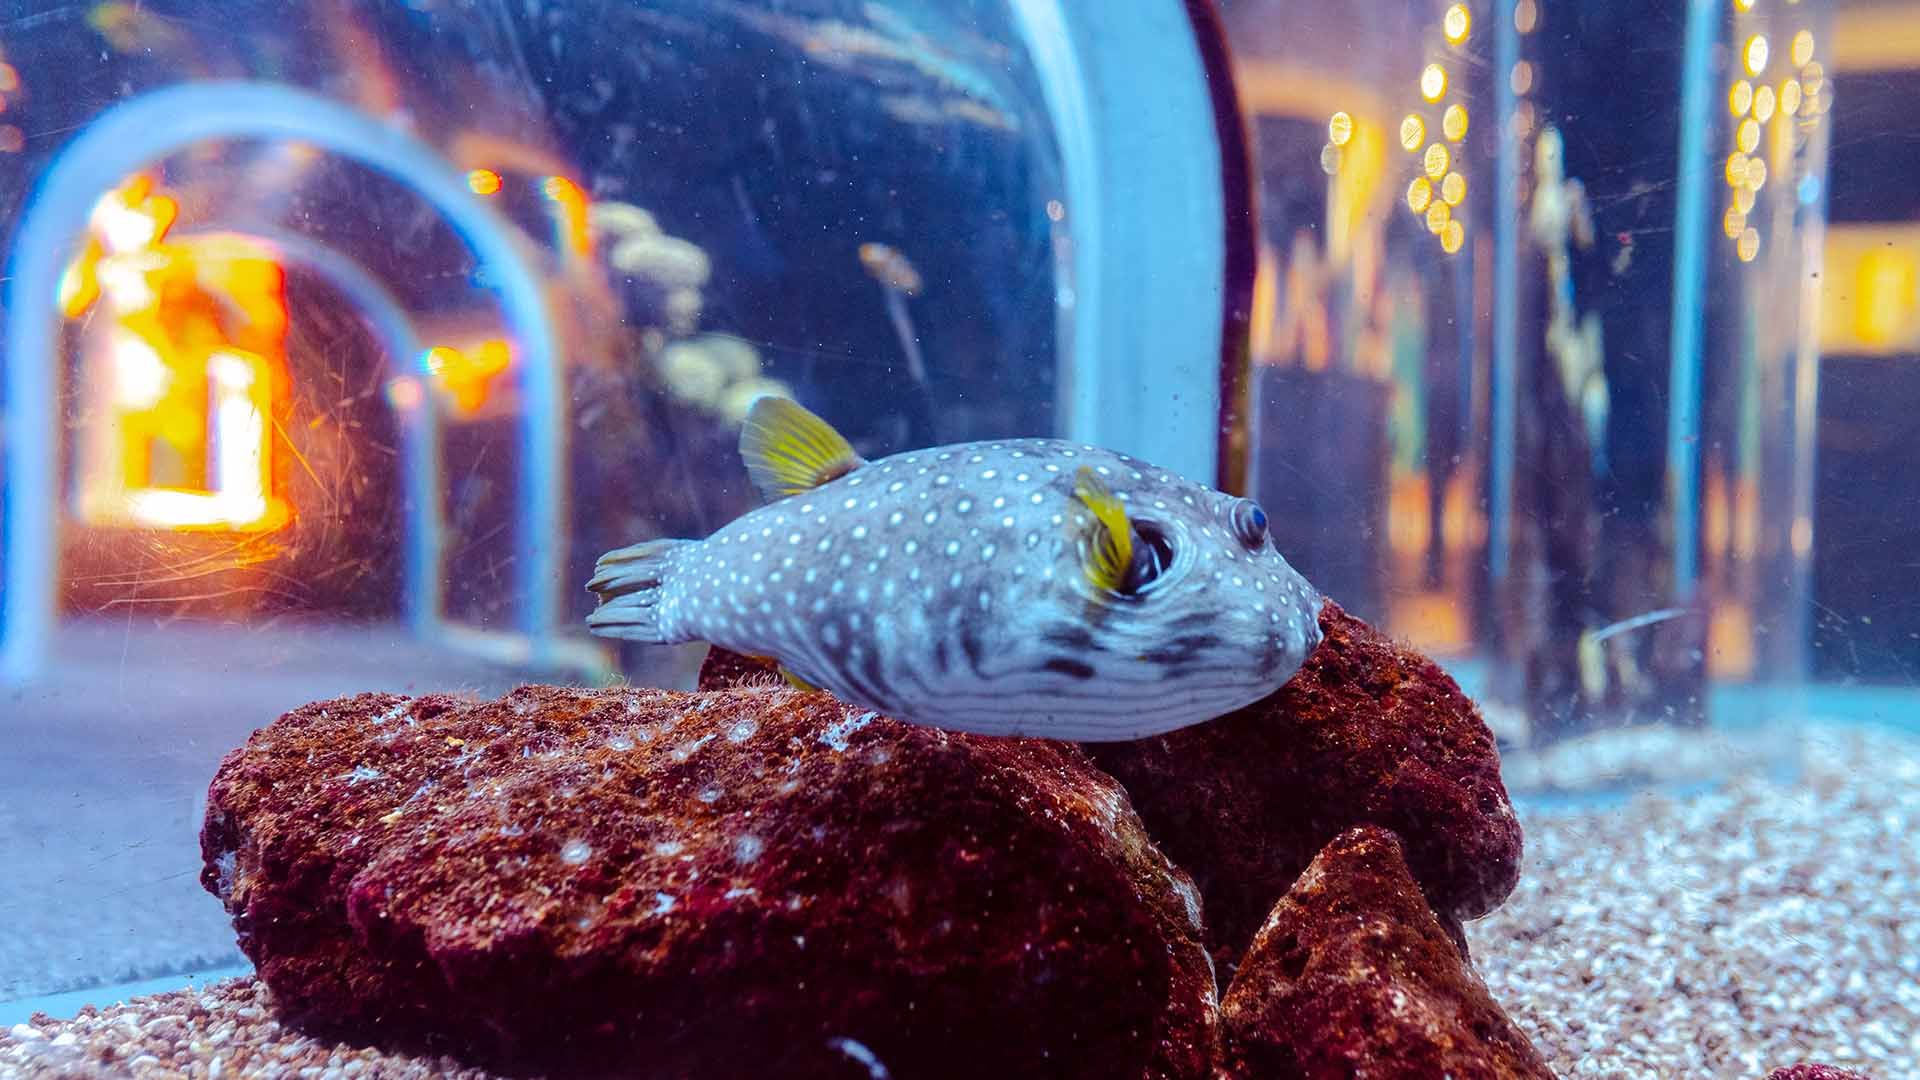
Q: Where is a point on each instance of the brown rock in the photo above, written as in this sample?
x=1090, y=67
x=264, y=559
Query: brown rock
x=1368, y=731
x=1352, y=975
x=1810, y=1071
x=747, y=882
x=724, y=670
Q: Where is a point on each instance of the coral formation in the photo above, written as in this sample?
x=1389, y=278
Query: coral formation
x=1352, y=975
x=1368, y=731
x=755, y=881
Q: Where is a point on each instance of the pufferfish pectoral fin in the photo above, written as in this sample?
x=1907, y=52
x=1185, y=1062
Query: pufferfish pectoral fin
x=789, y=450
x=1109, y=552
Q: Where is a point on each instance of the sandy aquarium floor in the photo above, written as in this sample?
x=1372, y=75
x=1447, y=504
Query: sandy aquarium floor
x=1715, y=934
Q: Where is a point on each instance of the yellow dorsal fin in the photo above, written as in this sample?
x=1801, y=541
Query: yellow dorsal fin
x=789, y=450
x=1110, y=551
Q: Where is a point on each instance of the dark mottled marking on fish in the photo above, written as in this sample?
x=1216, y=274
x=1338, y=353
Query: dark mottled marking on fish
x=1067, y=665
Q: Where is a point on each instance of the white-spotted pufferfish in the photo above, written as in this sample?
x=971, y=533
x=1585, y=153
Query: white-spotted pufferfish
x=1012, y=587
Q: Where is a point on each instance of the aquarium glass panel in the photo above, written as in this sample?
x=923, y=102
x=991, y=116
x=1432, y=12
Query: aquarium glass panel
x=342, y=339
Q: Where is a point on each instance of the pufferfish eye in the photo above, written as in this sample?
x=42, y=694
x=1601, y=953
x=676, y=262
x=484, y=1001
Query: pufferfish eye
x=1249, y=523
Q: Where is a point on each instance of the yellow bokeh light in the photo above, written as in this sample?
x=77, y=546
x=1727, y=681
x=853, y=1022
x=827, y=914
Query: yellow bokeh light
x=1749, y=244
x=1413, y=132
x=1437, y=161
x=1734, y=221
x=1526, y=16
x=1456, y=23
x=1340, y=129
x=1453, y=189
x=1740, y=97
x=1790, y=96
x=1747, y=136
x=483, y=182
x=1330, y=159
x=1433, y=82
x=1755, y=54
x=1438, y=214
x=1756, y=173
x=1523, y=120
x=1802, y=47
x=1763, y=104
x=1736, y=169
x=1521, y=78
x=1452, y=236
x=1453, y=123
x=1419, y=195
x=1743, y=200
x=1743, y=5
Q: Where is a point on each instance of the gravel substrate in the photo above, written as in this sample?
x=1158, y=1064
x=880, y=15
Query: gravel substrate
x=1718, y=935
x=1729, y=933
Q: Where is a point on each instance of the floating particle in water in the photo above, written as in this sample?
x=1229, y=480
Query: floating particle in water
x=576, y=852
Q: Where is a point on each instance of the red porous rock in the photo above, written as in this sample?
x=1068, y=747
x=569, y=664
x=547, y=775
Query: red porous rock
x=1352, y=975
x=751, y=882
x=1810, y=1071
x=1368, y=731
x=724, y=670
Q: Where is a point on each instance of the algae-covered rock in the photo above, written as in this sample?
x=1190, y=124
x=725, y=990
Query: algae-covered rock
x=1368, y=731
x=750, y=882
x=1352, y=975
x=1811, y=1071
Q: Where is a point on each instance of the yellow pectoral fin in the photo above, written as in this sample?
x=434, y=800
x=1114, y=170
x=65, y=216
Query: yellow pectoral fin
x=789, y=450
x=1110, y=550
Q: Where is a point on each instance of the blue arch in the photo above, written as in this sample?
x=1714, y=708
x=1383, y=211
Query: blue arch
x=419, y=426
x=143, y=130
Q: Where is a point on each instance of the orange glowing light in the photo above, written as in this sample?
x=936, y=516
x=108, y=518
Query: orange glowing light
x=468, y=378
x=572, y=202
x=9, y=78
x=483, y=182
x=186, y=368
